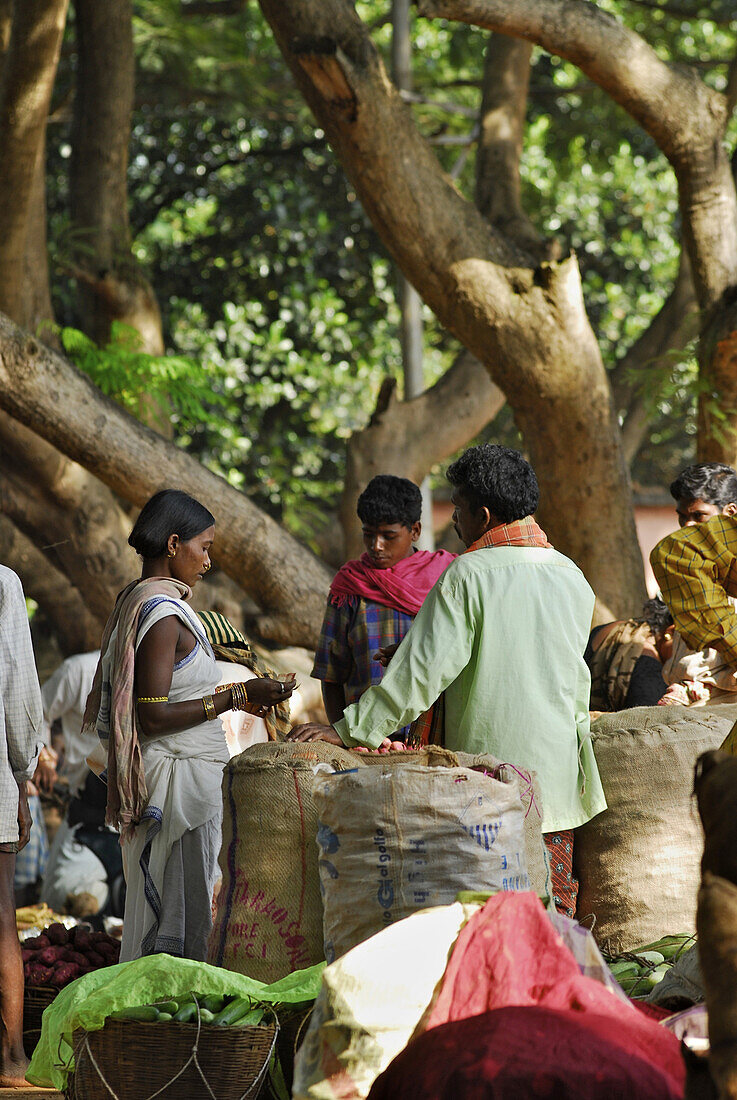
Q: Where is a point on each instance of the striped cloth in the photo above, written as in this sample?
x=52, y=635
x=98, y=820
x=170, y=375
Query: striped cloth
x=696, y=568
x=564, y=886
x=230, y=644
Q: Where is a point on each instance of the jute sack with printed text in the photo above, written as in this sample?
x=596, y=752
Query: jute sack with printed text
x=396, y=840
x=269, y=919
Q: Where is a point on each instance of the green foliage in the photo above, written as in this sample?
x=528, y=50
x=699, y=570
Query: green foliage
x=271, y=278
x=134, y=379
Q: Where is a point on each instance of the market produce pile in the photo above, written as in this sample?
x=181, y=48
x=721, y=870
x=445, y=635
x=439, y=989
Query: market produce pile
x=188, y=1009
x=640, y=970
x=35, y=916
x=59, y=955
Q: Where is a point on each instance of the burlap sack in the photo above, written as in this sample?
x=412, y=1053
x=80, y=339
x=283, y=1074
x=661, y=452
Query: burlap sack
x=638, y=862
x=269, y=919
x=396, y=840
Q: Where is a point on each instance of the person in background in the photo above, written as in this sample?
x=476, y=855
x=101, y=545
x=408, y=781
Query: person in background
x=704, y=490
x=64, y=695
x=695, y=570
x=500, y=638
x=374, y=599
x=20, y=745
x=156, y=708
x=625, y=659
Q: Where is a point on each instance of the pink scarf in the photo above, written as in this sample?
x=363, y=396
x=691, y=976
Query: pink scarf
x=403, y=587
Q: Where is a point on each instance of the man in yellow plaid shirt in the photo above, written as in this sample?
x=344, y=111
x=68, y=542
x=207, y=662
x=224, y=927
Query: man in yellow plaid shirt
x=696, y=568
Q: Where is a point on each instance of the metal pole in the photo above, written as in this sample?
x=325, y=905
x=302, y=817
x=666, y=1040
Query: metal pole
x=410, y=303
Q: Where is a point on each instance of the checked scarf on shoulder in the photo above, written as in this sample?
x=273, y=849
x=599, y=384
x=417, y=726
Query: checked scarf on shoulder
x=429, y=728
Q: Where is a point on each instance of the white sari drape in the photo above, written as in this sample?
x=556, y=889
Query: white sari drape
x=184, y=774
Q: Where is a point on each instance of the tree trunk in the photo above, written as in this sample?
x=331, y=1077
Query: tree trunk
x=29, y=71
x=55, y=502
x=407, y=438
x=527, y=324
x=111, y=285
x=75, y=628
x=46, y=393
x=718, y=377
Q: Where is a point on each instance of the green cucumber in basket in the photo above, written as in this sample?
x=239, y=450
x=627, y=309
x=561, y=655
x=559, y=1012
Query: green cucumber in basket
x=167, y=1006
x=213, y=1002
x=187, y=1014
x=145, y=1014
x=237, y=1012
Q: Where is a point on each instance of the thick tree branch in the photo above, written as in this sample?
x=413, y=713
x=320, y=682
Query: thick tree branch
x=76, y=629
x=683, y=115
x=407, y=438
x=46, y=393
x=502, y=125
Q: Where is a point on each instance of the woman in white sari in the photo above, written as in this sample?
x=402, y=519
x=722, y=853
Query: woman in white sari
x=156, y=708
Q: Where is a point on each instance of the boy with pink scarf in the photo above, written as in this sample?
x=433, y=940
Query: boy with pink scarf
x=373, y=600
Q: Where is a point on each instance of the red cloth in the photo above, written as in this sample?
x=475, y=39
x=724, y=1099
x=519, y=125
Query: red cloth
x=515, y=1018
x=510, y=954
x=404, y=586
x=534, y=1052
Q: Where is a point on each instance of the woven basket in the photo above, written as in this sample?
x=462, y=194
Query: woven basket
x=35, y=999
x=139, y=1059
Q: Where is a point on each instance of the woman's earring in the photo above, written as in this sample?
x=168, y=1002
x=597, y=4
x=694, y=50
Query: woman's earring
x=172, y=554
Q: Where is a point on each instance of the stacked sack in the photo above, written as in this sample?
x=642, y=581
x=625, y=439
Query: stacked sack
x=638, y=862
x=270, y=912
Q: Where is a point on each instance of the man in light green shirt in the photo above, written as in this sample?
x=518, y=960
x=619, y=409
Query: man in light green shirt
x=502, y=635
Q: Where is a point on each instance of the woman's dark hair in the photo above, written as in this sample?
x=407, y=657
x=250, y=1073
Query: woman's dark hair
x=657, y=615
x=496, y=478
x=712, y=482
x=169, y=512
x=389, y=499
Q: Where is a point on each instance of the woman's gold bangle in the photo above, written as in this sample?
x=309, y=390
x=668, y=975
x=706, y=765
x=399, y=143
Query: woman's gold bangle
x=152, y=699
x=209, y=704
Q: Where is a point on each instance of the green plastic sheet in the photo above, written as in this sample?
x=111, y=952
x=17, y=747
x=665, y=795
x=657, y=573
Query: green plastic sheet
x=88, y=1002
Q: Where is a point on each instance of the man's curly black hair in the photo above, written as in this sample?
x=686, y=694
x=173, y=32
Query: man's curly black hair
x=389, y=499
x=497, y=478
x=713, y=482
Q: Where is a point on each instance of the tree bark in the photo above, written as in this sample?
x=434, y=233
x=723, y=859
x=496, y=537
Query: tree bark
x=526, y=323
x=74, y=626
x=111, y=284
x=501, y=137
x=407, y=438
x=41, y=493
x=46, y=393
x=28, y=77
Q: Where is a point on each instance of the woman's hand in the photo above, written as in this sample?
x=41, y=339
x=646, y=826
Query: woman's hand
x=265, y=694
x=313, y=731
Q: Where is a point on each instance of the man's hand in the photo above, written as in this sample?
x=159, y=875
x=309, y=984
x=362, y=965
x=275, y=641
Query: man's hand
x=385, y=654
x=314, y=731
x=45, y=775
x=24, y=818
